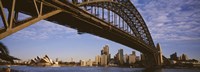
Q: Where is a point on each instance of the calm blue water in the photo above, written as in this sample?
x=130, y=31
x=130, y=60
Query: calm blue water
x=93, y=69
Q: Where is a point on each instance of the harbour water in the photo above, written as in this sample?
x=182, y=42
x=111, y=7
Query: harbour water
x=93, y=69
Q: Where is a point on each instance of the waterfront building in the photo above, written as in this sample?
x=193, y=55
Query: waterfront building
x=184, y=57
x=97, y=59
x=116, y=58
x=120, y=56
x=89, y=62
x=174, y=56
x=132, y=58
x=126, y=59
x=104, y=61
x=105, y=52
x=83, y=63
x=45, y=61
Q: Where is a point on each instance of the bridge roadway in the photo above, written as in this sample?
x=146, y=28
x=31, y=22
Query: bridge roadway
x=74, y=17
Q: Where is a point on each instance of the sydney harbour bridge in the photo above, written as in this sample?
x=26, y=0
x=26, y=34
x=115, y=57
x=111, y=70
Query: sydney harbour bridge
x=116, y=20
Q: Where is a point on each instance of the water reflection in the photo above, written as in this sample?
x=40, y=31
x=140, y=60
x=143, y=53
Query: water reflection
x=92, y=69
x=152, y=70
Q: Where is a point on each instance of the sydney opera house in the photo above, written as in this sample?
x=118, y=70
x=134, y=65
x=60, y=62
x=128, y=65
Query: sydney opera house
x=45, y=61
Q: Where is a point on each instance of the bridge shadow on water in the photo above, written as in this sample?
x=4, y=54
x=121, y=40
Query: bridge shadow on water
x=152, y=70
x=149, y=70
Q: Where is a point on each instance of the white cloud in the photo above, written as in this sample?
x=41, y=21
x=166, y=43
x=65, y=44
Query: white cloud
x=45, y=30
x=171, y=20
x=166, y=19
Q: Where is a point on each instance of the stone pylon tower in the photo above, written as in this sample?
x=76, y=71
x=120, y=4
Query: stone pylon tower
x=160, y=58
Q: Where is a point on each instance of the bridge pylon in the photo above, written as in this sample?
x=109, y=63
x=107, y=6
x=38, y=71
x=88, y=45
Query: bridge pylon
x=159, y=55
x=153, y=60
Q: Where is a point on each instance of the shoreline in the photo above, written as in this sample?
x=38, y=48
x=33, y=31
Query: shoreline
x=10, y=69
x=177, y=67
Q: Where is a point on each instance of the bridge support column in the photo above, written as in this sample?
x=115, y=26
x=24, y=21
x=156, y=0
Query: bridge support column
x=149, y=60
x=159, y=55
x=153, y=60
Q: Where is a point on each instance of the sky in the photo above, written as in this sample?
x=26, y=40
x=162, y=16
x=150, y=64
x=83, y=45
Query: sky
x=172, y=23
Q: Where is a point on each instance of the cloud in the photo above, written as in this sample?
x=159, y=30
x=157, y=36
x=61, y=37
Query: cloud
x=45, y=30
x=41, y=30
x=171, y=20
x=166, y=20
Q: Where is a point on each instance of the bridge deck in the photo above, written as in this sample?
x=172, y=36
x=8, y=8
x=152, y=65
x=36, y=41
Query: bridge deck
x=79, y=19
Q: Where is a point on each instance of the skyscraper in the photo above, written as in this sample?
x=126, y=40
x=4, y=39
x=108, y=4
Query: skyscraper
x=105, y=56
x=105, y=50
x=132, y=58
x=97, y=59
x=126, y=59
x=104, y=61
x=121, y=56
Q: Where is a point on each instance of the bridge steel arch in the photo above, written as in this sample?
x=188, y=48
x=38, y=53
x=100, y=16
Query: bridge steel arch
x=71, y=15
x=128, y=12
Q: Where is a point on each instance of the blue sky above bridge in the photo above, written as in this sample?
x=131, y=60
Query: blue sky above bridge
x=172, y=23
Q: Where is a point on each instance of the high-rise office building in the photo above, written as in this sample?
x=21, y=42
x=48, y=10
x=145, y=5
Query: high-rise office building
x=126, y=58
x=97, y=59
x=132, y=58
x=116, y=58
x=105, y=52
x=120, y=56
x=104, y=61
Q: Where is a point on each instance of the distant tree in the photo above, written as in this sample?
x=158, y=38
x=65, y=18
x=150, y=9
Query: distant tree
x=4, y=54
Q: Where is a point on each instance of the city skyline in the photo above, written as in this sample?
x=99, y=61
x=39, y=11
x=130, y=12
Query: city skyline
x=62, y=42
x=104, y=52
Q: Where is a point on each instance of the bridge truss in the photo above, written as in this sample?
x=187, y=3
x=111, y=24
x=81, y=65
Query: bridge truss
x=114, y=17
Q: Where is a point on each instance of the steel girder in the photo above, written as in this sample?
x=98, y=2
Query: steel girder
x=123, y=8
x=12, y=24
x=113, y=8
x=127, y=11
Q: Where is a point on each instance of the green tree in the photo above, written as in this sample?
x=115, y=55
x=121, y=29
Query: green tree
x=4, y=54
